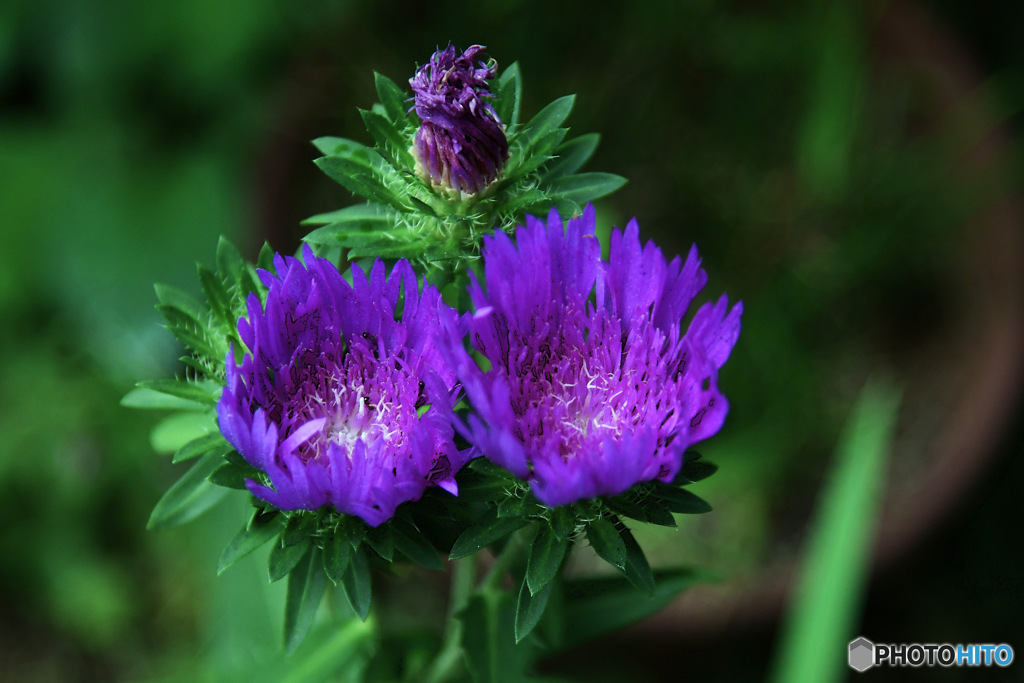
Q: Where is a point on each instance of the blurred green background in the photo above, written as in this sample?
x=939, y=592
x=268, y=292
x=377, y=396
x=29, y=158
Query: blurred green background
x=850, y=171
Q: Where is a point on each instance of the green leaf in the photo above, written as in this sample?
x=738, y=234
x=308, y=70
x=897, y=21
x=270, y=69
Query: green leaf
x=547, y=120
x=300, y=527
x=563, y=521
x=230, y=476
x=595, y=607
x=530, y=609
x=488, y=639
x=410, y=542
x=541, y=151
x=150, y=399
x=482, y=487
x=694, y=470
x=332, y=146
x=190, y=391
x=359, y=179
x=214, y=441
x=509, y=95
x=484, y=532
x=362, y=216
x=679, y=500
x=231, y=264
x=828, y=596
x=260, y=529
x=218, y=297
x=336, y=654
x=284, y=558
x=305, y=589
x=586, y=187
x=265, y=260
x=607, y=543
x=188, y=497
x=172, y=297
x=337, y=555
x=571, y=156
x=356, y=584
x=379, y=538
x=391, y=97
x=546, y=554
x=637, y=570
x=389, y=140
x=515, y=506
x=194, y=335
x=177, y=429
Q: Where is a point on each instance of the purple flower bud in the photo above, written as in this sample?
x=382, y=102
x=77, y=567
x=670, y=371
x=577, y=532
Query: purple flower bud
x=460, y=145
x=592, y=385
x=342, y=400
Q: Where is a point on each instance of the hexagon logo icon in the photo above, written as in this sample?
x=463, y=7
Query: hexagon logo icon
x=862, y=654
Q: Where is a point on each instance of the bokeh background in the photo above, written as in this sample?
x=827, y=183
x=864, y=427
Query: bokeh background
x=850, y=170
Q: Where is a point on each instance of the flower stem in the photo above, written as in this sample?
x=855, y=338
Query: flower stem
x=503, y=562
x=448, y=660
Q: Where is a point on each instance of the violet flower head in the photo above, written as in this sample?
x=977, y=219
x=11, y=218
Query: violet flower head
x=593, y=386
x=461, y=144
x=343, y=400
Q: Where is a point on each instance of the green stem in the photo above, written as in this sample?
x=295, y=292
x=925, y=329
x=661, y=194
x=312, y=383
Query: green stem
x=503, y=562
x=448, y=660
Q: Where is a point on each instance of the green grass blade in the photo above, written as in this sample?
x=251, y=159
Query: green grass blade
x=814, y=642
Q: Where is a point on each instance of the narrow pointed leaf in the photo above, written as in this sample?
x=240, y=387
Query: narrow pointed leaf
x=411, y=543
x=284, y=558
x=150, y=399
x=177, y=299
x=607, y=543
x=509, y=95
x=484, y=532
x=363, y=216
x=188, y=497
x=343, y=147
x=306, y=586
x=637, y=570
x=387, y=138
x=214, y=441
x=300, y=527
x=337, y=555
x=586, y=187
x=259, y=530
x=680, y=500
x=230, y=476
x=358, y=179
x=694, y=471
x=547, y=119
x=190, y=391
x=356, y=584
x=379, y=538
x=571, y=156
x=530, y=609
x=218, y=297
x=391, y=97
x=546, y=555
x=595, y=607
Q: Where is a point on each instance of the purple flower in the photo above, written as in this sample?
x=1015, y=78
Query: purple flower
x=461, y=142
x=592, y=385
x=328, y=400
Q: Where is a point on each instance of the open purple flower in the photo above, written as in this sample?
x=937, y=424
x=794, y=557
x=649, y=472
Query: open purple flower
x=343, y=398
x=592, y=386
x=461, y=144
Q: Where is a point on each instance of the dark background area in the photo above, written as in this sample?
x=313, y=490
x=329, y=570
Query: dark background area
x=850, y=171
